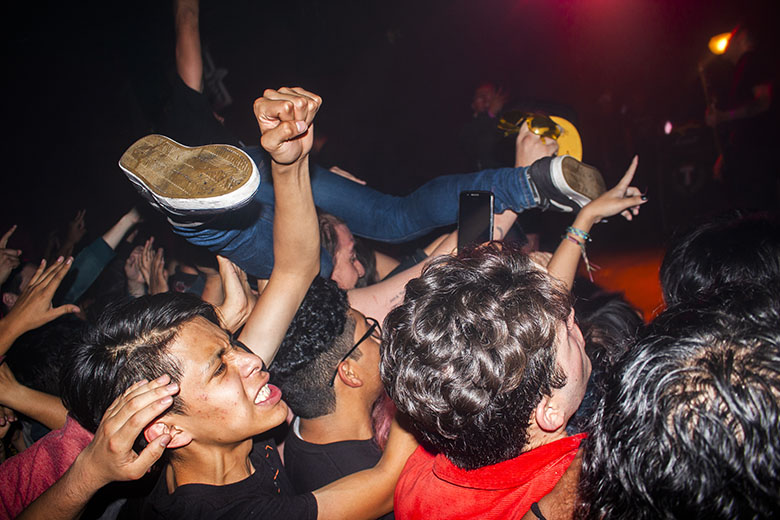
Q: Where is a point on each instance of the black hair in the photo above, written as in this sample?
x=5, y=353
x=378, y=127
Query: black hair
x=689, y=426
x=732, y=248
x=471, y=352
x=36, y=357
x=129, y=342
x=317, y=339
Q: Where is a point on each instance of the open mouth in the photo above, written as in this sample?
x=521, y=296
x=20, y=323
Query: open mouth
x=263, y=394
x=266, y=393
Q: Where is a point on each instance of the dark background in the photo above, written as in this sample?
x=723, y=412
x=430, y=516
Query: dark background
x=83, y=80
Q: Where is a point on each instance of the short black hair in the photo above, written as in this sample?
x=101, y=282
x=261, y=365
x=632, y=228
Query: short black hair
x=129, y=342
x=689, y=425
x=471, y=352
x=318, y=337
x=735, y=247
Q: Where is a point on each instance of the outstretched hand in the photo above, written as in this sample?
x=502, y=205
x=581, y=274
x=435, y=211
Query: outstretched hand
x=9, y=258
x=33, y=308
x=623, y=198
x=285, y=117
x=110, y=456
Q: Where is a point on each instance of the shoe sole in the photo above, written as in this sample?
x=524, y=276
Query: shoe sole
x=190, y=180
x=577, y=181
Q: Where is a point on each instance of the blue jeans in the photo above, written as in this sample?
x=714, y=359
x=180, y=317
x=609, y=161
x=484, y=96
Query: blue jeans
x=245, y=236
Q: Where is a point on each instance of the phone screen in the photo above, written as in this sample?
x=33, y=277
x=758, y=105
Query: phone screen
x=475, y=218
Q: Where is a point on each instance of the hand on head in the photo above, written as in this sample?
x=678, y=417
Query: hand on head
x=110, y=456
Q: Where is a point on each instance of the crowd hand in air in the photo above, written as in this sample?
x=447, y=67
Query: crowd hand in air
x=9, y=258
x=152, y=266
x=530, y=147
x=285, y=117
x=33, y=308
x=239, y=298
x=136, y=283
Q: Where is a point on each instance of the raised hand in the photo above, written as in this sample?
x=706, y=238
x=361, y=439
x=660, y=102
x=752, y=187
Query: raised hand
x=285, y=118
x=239, y=298
x=158, y=282
x=77, y=227
x=530, y=147
x=33, y=308
x=623, y=198
x=9, y=258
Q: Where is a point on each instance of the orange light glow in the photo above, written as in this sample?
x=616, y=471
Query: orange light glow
x=719, y=43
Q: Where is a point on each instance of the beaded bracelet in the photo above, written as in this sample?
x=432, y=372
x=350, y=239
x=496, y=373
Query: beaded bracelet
x=578, y=233
x=585, y=236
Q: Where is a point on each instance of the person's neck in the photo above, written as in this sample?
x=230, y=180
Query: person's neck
x=216, y=466
x=538, y=437
x=347, y=423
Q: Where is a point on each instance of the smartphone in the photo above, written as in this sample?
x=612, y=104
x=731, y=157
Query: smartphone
x=475, y=218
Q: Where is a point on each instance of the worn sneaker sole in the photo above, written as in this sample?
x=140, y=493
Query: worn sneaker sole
x=577, y=181
x=190, y=181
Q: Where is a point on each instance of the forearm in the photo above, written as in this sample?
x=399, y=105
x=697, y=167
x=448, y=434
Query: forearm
x=9, y=332
x=379, y=299
x=114, y=235
x=44, y=408
x=296, y=260
x=563, y=264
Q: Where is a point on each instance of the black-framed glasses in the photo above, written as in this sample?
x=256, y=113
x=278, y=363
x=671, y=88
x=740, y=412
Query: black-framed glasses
x=539, y=124
x=370, y=332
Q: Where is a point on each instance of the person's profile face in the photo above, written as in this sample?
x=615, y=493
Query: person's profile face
x=224, y=388
x=346, y=267
x=574, y=362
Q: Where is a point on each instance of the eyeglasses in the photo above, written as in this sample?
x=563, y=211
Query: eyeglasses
x=539, y=124
x=370, y=332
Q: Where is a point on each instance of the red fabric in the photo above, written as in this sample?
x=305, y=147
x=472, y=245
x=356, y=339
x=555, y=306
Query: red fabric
x=432, y=487
x=24, y=477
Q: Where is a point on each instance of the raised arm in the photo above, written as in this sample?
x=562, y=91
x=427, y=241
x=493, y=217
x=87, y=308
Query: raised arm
x=33, y=308
x=623, y=198
x=285, y=118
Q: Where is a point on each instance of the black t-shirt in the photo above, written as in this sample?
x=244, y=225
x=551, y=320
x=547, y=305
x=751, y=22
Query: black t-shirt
x=312, y=466
x=266, y=494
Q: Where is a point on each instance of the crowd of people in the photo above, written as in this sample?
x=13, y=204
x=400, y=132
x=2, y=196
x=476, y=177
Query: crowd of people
x=269, y=363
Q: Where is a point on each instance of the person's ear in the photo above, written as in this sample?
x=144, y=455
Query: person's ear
x=9, y=299
x=549, y=417
x=348, y=374
x=179, y=437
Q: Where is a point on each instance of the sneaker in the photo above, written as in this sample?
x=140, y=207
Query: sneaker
x=184, y=181
x=565, y=184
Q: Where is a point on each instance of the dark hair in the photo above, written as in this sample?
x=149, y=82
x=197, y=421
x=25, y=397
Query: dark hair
x=732, y=248
x=129, y=342
x=471, y=352
x=689, y=426
x=365, y=255
x=318, y=337
x=36, y=357
x=328, y=236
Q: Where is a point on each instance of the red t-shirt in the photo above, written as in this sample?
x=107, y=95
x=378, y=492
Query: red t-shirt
x=25, y=477
x=432, y=487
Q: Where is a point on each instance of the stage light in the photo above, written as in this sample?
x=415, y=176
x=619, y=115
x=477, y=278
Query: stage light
x=668, y=128
x=719, y=43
